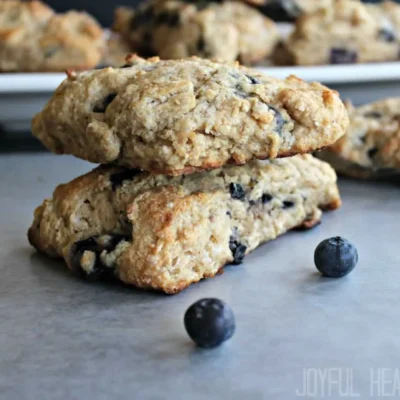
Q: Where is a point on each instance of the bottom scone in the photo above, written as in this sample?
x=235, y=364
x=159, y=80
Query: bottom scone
x=371, y=146
x=164, y=233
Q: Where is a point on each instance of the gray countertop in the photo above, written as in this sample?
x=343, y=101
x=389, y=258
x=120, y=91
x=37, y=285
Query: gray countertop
x=61, y=338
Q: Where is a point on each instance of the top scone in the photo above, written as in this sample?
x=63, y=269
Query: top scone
x=178, y=116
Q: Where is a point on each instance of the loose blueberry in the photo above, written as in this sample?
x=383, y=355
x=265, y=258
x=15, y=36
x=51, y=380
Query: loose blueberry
x=335, y=257
x=238, y=251
x=209, y=322
x=387, y=35
x=237, y=191
x=118, y=178
x=102, y=106
x=343, y=56
x=266, y=198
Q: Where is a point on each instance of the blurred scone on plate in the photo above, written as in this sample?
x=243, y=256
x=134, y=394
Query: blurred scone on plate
x=371, y=147
x=35, y=38
x=347, y=32
x=176, y=29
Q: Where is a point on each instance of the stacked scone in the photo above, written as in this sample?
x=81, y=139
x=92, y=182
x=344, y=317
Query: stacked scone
x=181, y=192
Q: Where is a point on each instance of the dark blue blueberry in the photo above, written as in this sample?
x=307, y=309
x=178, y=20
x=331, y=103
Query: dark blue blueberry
x=162, y=18
x=335, y=257
x=343, y=56
x=265, y=198
x=92, y=244
x=238, y=251
x=209, y=322
x=147, y=38
x=373, y=114
x=102, y=106
x=253, y=81
x=118, y=178
x=50, y=52
x=287, y=204
x=201, y=4
x=201, y=44
x=387, y=35
x=174, y=20
x=279, y=120
x=170, y=19
x=372, y=152
x=237, y=191
x=142, y=17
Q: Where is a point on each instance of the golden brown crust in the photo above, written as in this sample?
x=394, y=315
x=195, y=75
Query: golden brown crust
x=164, y=233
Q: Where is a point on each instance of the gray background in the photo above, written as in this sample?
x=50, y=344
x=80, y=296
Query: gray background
x=61, y=338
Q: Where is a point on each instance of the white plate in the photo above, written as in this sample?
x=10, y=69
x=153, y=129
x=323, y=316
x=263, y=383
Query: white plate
x=22, y=95
x=327, y=74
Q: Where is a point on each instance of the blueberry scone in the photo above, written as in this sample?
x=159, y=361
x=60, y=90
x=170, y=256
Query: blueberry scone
x=34, y=38
x=175, y=117
x=348, y=32
x=164, y=233
x=371, y=147
x=173, y=29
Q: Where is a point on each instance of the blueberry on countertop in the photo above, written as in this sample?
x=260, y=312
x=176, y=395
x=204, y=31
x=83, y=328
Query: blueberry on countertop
x=209, y=322
x=335, y=257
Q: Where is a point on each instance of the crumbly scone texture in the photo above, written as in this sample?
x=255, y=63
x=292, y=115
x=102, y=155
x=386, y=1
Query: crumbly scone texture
x=178, y=116
x=347, y=32
x=371, y=147
x=164, y=233
x=173, y=29
x=34, y=38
